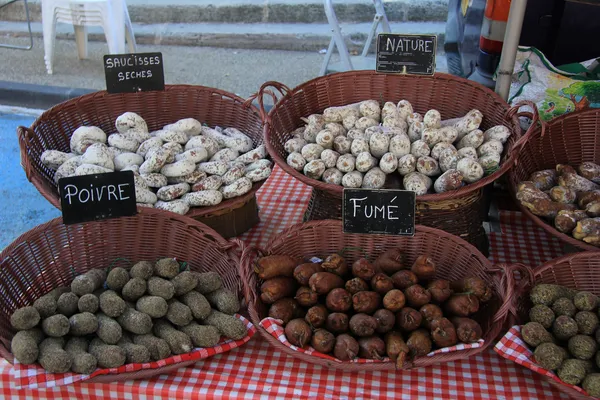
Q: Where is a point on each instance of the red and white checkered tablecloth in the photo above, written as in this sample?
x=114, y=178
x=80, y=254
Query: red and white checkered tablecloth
x=256, y=370
x=512, y=347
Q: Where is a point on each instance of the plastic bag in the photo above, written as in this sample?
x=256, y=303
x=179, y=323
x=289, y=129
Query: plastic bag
x=555, y=91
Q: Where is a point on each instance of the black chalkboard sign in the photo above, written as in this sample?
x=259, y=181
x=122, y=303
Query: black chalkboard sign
x=379, y=211
x=98, y=196
x=406, y=54
x=141, y=72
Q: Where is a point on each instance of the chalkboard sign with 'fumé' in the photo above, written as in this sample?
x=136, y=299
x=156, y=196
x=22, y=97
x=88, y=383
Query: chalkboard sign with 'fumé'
x=379, y=211
x=127, y=73
x=406, y=54
x=98, y=196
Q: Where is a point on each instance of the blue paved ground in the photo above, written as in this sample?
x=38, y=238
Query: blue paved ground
x=21, y=206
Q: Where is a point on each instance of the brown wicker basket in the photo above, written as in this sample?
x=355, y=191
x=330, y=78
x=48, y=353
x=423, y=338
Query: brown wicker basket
x=569, y=139
x=454, y=257
x=53, y=130
x=51, y=254
x=460, y=212
x=579, y=271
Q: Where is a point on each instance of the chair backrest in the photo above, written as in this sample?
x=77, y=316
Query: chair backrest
x=80, y=12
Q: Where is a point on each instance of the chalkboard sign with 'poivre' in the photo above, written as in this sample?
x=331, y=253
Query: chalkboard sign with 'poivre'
x=406, y=54
x=127, y=73
x=98, y=196
x=379, y=211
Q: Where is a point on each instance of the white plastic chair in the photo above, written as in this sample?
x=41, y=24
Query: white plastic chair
x=349, y=63
x=111, y=15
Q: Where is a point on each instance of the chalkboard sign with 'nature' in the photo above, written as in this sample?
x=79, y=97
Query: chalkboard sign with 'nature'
x=406, y=54
x=379, y=211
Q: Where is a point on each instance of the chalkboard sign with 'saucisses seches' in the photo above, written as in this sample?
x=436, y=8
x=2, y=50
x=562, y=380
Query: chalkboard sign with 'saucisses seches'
x=98, y=196
x=127, y=73
x=406, y=54
x=379, y=211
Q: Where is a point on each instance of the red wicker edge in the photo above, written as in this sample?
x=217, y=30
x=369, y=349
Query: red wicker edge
x=576, y=271
x=500, y=278
x=56, y=125
x=344, y=91
x=569, y=139
x=51, y=254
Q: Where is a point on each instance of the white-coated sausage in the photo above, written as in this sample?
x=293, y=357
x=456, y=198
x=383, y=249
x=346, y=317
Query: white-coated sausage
x=178, y=168
x=237, y=188
x=127, y=159
x=296, y=161
x=333, y=176
x=233, y=175
x=172, y=192
x=123, y=142
x=203, y=198
x=191, y=178
x=84, y=136
x=388, y=163
x=177, y=206
x=54, y=158
x=213, y=182
x=130, y=120
x=315, y=169
x=257, y=175
x=214, y=167
x=253, y=155
x=374, y=179
x=67, y=168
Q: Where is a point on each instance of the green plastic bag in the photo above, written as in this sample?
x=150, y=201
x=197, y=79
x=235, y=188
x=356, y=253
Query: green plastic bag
x=555, y=91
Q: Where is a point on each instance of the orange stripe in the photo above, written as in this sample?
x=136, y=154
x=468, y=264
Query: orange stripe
x=497, y=9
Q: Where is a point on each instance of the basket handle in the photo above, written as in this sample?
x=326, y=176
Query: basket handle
x=249, y=278
x=282, y=89
x=527, y=280
x=24, y=135
x=535, y=118
x=234, y=251
x=237, y=249
x=511, y=290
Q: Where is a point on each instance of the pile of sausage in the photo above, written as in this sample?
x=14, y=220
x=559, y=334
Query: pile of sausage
x=184, y=164
x=358, y=145
x=567, y=196
x=389, y=307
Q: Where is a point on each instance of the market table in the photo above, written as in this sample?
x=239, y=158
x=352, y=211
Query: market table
x=257, y=370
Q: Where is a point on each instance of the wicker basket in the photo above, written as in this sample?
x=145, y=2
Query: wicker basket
x=455, y=259
x=53, y=130
x=460, y=212
x=51, y=254
x=569, y=139
x=579, y=271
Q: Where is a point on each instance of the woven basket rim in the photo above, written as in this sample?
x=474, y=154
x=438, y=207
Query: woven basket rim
x=566, y=259
x=337, y=190
x=208, y=231
x=142, y=374
x=418, y=228
x=501, y=313
x=531, y=274
x=526, y=285
x=195, y=212
x=536, y=134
